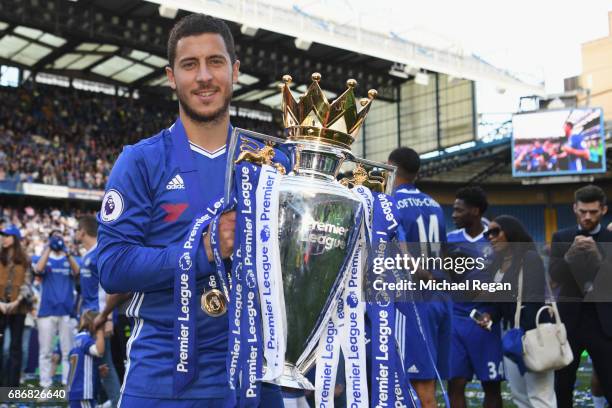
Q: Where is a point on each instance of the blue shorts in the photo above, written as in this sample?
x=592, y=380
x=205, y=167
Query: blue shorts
x=423, y=355
x=271, y=397
x=476, y=351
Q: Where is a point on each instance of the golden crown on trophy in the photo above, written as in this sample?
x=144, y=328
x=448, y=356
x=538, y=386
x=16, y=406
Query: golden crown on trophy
x=312, y=117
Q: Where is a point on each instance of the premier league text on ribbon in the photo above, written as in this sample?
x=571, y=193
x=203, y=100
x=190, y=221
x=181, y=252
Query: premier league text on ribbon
x=355, y=334
x=384, y=334
x=186, y=263
x=265, y=218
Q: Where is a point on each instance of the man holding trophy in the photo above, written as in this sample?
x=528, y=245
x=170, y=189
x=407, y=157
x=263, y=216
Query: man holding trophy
x=243, y=284
x=146, y=213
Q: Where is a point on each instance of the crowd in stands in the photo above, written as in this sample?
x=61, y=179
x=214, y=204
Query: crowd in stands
x=63, y=136
x=36, y=225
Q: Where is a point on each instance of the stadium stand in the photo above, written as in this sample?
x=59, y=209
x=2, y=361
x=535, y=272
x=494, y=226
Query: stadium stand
x=60, y=136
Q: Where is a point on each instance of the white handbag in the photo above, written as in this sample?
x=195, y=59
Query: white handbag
x=546, y=347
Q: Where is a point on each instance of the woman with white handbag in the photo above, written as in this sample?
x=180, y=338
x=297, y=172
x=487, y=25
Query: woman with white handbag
x=517, y=261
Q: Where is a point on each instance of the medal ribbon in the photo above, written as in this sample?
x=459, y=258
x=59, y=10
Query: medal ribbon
x=185, y=362
x=186, y=308
x=215, y=242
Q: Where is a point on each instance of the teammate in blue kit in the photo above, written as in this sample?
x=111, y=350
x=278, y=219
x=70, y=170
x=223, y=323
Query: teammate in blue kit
x=84, y=363
x=475, y=350
x=58, y=268
x=94, y=298
x=422, y=223
x=575, y=149
x=147, y=214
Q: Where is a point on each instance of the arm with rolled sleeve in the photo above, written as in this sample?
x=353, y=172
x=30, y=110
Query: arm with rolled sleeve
x=125, y=263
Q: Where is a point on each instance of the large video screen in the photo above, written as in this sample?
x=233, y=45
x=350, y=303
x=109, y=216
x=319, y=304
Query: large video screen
x=558, y=142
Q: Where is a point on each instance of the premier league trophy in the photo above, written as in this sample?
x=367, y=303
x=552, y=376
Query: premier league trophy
x=318, y=217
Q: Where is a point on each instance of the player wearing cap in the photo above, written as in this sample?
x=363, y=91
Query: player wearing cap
x=58, y=268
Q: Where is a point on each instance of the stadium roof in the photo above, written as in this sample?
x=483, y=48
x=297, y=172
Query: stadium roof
x=123, y=43
x=408, y=56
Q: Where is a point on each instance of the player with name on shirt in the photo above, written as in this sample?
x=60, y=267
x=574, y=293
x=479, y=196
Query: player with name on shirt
x=424, y=340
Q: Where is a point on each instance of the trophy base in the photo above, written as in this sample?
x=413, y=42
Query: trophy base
x=293, y=378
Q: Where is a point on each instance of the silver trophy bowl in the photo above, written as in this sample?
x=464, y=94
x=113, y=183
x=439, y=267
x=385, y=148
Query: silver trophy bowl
x=317, y=216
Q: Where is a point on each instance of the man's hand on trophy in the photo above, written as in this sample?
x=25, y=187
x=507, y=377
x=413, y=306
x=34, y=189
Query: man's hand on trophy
x=227, y=230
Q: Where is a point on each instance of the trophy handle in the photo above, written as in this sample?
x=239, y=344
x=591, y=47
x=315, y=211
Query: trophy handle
x=378, y=177
x=260, y=156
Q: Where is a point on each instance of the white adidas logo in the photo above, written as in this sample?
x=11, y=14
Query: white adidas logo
x=413, y=369
x=176, y=183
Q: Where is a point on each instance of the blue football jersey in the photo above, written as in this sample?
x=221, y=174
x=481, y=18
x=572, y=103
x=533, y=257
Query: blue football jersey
x=57, y=288
x=577, y=142
x=421, y=218
x=423, y=228
x=94, y=296
x=461, y=244
x=144, y=220
x=83, y=376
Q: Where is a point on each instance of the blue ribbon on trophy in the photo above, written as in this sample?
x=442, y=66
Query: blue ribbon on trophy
x=269, y=274
x=251, y=356
x=255, y=331
x=381, y=310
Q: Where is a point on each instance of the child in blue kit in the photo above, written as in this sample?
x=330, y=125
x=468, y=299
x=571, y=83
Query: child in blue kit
x=84, y=362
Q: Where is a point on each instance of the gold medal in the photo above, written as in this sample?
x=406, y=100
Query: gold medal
x=214, y=303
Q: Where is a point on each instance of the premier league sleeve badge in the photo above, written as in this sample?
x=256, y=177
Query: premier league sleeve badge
x=112, y=206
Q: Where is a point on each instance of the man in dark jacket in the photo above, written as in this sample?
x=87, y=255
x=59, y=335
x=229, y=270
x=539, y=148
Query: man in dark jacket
x=580, y=263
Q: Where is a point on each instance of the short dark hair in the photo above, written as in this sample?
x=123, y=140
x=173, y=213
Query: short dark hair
x=196, y=24
x=473, y=196
x=407, y=161
x=589, y=194
x=570, y=124
x=89, y=224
